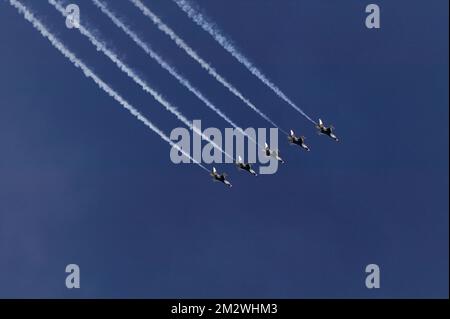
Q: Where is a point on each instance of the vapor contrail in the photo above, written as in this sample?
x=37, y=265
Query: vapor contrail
x=194, y=55
x=29, y=16
x=156, y=57
x=137, y=79
x=214, y=31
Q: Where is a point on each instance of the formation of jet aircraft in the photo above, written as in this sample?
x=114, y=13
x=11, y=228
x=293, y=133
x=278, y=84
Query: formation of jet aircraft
x=293, y=140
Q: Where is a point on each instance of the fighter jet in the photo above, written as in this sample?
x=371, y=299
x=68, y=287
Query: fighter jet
x=300, y=141
x=326, y=130
x=245, y=166
x=275, y=154
x=220, y=177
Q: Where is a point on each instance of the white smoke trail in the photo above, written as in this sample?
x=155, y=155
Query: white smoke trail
x=29, y=16
x=194, y=55
x=137, y=79
x=155, y=56
x=214, y=31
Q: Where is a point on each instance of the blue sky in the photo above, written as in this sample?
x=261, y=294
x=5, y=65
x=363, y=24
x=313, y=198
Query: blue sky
x=82, y=181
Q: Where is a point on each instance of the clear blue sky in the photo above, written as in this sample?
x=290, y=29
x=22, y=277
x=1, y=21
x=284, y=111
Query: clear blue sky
x=82, y=181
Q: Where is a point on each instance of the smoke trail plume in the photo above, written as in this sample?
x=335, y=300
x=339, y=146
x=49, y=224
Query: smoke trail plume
x=137, y=79
x=194, y=55
x=166, y=66
x=28, y=15
x=214, y=31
